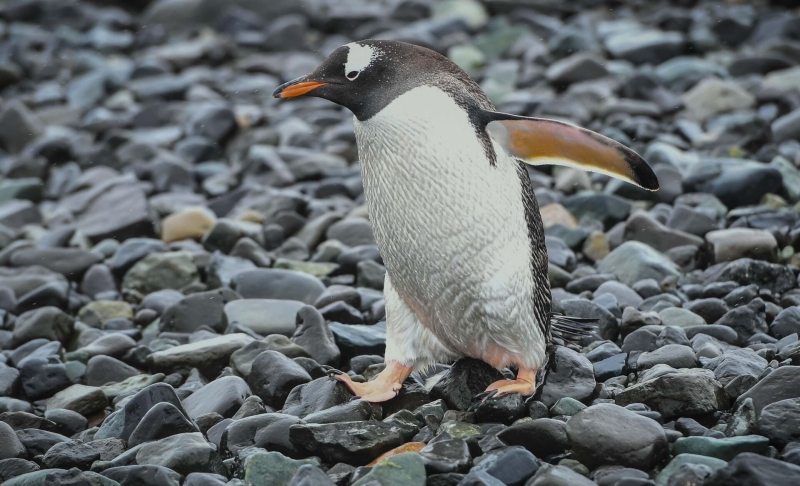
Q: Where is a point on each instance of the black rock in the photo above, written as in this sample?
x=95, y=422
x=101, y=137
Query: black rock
x=66, y=422
x=542, y=437
x=607, y=434
x=749, y=469
x=315, y=337
x=183, y=453
x=49, y=323
x=39, y=441
x=786, y=323
x=463, y=381
x=143, y=475
x=273, y=376
x=511, y=465
x=569, y=375
x=11, y=468
x=223, y=396
x=103, y=369
x=43, y=377
x=710, y=309
x=161, y=421
x=315, y=396
x=122, y=423
x=446, y=456
x=309, y=475
x=269, y=283
x=197, y=310
x=131, y=251
x=10, y=445
x=746, y=320
x=780, y=422
x=268, y=430
x=215, y=123
x=66, y=455
x=355, y=443
x=505, y=409
x=549, y=475
x=70, y=262
x=355, y=340
x=611, y=367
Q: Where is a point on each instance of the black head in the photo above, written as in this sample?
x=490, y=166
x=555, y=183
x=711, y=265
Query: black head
x=366, y=76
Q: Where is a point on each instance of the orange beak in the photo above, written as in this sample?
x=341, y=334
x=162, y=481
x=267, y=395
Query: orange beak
x=293, y=89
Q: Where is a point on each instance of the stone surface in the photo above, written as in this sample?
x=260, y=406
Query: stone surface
x=607, y=434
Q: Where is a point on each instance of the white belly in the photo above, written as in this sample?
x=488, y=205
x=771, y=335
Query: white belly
x=451, y=228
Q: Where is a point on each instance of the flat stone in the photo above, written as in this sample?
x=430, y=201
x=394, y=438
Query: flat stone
x=607, y=434
x=83, y=399
x=209, y=355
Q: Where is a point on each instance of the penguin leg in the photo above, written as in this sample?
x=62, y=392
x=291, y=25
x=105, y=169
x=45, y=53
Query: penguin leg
x=409, y=346
x=525, y=384
x=384, y=387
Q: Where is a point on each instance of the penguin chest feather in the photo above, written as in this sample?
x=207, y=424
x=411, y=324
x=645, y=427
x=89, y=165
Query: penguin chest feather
x=451, y=226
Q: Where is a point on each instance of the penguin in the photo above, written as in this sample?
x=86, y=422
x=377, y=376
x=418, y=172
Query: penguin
x=453, y=209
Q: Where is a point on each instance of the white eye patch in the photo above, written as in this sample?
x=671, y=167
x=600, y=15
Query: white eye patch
x=358, y=58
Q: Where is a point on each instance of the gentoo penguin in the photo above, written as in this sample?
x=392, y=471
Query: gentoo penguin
x=453, y=209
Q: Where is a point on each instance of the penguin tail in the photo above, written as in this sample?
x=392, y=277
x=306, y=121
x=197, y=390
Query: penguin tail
x=571, y=329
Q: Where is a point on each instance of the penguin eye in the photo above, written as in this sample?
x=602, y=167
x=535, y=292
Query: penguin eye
x=352, y=75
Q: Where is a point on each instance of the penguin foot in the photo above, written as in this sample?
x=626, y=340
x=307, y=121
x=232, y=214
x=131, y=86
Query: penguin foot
x=525, y=385
x=384, y=387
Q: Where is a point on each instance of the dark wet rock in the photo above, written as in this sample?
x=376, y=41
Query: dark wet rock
x=465, y=379
x=682, y=392
x=66, y=422
x=278, y=284
x=182, y=453
x=315, y=396
x=510, y=465
x=607, y=434
x=103, y=369
x=197, y=310
x=746, y=320
x=263, y=316
x=355, y=340
x=542, y=437
x=314, y=336
x=262, y=430
x=10, y=445
x=223, y=396
x=209, y=356
x=159, y=271
x=83, y=399
x=136, y=475
x=779, y=385
x=505, y=409
x=43, y=377
x=162, y=420
x=122, y=423
x=549, y=475
x=571, y=375
x=48, y=322
x=273, y=376
x=355, y=443
x=754, y=469
x=11, y=468
x=66, y=455
x=273, y=468
x=38, y=442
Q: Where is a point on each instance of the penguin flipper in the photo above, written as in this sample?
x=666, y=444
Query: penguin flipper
x=538, y=141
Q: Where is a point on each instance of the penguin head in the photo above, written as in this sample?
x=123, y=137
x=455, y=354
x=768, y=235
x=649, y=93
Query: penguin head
x=366, y=76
